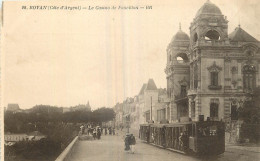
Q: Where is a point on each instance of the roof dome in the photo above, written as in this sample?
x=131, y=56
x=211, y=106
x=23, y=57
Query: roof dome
x=209, y=8
x=181, y=36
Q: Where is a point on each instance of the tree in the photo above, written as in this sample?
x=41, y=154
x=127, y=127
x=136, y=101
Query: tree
x=103, y=114
x=250, y=110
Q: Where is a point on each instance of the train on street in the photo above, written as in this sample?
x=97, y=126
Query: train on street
x=193, y=137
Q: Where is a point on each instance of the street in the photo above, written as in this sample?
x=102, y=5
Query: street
x=111, y=148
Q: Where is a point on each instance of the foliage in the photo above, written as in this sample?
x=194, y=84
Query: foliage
x=40, y=115
x=59, y=135
x=103, y=114
x=250, y=111
x=60, y=129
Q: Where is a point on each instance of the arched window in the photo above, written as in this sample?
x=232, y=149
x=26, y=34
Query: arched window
x=214, y=76
x=212, y=35
x=182, y=58
x=249, y=79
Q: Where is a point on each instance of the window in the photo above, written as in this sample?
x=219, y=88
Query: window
x=212, y=35
x=195, y=76
x=183, y=91
x=249, y=79
x=147, y=116
x=234, y=113
x=213, y=110
x=193, y=110
x=214, y=78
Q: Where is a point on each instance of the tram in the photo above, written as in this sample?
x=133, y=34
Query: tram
x=194, y=137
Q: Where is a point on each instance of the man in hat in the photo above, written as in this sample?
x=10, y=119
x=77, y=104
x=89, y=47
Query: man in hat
x=127, y=142
x=132, y=143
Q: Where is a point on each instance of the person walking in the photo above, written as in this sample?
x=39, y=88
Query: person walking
x=127, y=140
x=132, y=143
x=98, y=133
x=105, y=131
x=113, y=131
x=94, y=134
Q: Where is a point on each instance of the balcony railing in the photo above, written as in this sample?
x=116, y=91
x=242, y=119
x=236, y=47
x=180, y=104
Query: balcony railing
x=180, y=96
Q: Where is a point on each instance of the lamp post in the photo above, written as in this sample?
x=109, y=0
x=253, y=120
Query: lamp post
x=151, y=112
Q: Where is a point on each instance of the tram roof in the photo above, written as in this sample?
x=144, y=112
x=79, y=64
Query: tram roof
x=179, y=123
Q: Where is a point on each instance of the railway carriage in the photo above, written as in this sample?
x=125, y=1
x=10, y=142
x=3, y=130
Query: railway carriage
x=202, y=137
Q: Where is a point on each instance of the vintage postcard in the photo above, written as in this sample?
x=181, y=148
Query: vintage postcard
x=139, y=80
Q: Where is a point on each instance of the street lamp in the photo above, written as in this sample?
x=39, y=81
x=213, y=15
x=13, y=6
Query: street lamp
x=151, y=111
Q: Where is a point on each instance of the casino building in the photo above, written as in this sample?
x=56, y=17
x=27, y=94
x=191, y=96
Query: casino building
x=210, y=72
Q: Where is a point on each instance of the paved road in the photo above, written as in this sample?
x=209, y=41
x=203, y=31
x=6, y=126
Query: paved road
x=111, y=148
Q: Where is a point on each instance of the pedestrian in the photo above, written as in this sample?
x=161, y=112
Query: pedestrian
x=147, y=136
x=132, y=143
x=94, y=134
x=105, y=131
x=110, y=131
x=81, y=129
x=184, y=141
x=98, y=133
x=113, y=131
x=127, y=139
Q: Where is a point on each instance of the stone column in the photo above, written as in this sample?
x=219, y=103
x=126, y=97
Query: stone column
x=227, y=74
x=166, y=112
x=239, y=76
x=173, y=112
x=199, y=73
x=197, y=108
x=227, y=108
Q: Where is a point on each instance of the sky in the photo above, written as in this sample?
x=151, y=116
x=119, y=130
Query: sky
x=66, y=58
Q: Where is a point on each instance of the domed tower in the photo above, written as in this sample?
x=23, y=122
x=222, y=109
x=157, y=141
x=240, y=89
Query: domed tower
x=208, y=45
x=177, y=71
x=208, y=26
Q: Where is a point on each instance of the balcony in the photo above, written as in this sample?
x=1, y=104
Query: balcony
x=192, y=92
x=210, y=43
x=180, y=97
x=214, y=87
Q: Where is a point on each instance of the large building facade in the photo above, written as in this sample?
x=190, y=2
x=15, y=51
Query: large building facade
x=211, y=72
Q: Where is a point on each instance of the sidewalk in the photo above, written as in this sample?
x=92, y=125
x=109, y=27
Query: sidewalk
x=245, y=147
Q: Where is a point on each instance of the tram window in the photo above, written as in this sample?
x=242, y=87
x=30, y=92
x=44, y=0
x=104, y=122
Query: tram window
x=207, y=131
x=193, y=130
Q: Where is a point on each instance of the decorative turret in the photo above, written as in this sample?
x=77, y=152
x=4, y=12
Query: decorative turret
x=209, y=25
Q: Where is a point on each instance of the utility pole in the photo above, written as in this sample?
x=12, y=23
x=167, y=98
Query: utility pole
x=128, y=123
x=151, y=113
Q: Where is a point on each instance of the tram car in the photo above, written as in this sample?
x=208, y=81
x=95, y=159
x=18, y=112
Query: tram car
x=194, y=137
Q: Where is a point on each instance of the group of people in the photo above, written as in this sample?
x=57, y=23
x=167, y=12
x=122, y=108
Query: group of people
x=96, y=131
x=90, y=130
x=110, y=131
x=130, y=143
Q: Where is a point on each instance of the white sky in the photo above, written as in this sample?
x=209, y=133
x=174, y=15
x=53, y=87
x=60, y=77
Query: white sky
x=66, y=58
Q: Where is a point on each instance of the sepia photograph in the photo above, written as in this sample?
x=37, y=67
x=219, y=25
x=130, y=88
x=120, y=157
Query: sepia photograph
x=130, y=80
